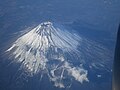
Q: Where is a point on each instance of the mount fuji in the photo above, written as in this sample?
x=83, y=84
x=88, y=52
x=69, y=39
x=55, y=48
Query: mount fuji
x=59, y=53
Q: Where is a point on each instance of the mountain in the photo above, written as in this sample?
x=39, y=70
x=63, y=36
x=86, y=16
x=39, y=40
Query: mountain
x=61, y=54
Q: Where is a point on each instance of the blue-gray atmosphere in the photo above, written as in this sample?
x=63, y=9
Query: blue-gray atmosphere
x=57, y=44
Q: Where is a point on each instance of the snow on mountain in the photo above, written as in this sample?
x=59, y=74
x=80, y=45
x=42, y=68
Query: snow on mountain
x=54, y=52
x=42, y=45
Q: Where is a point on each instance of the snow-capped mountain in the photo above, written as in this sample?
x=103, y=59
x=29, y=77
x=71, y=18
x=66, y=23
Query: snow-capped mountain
x=55, y=51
